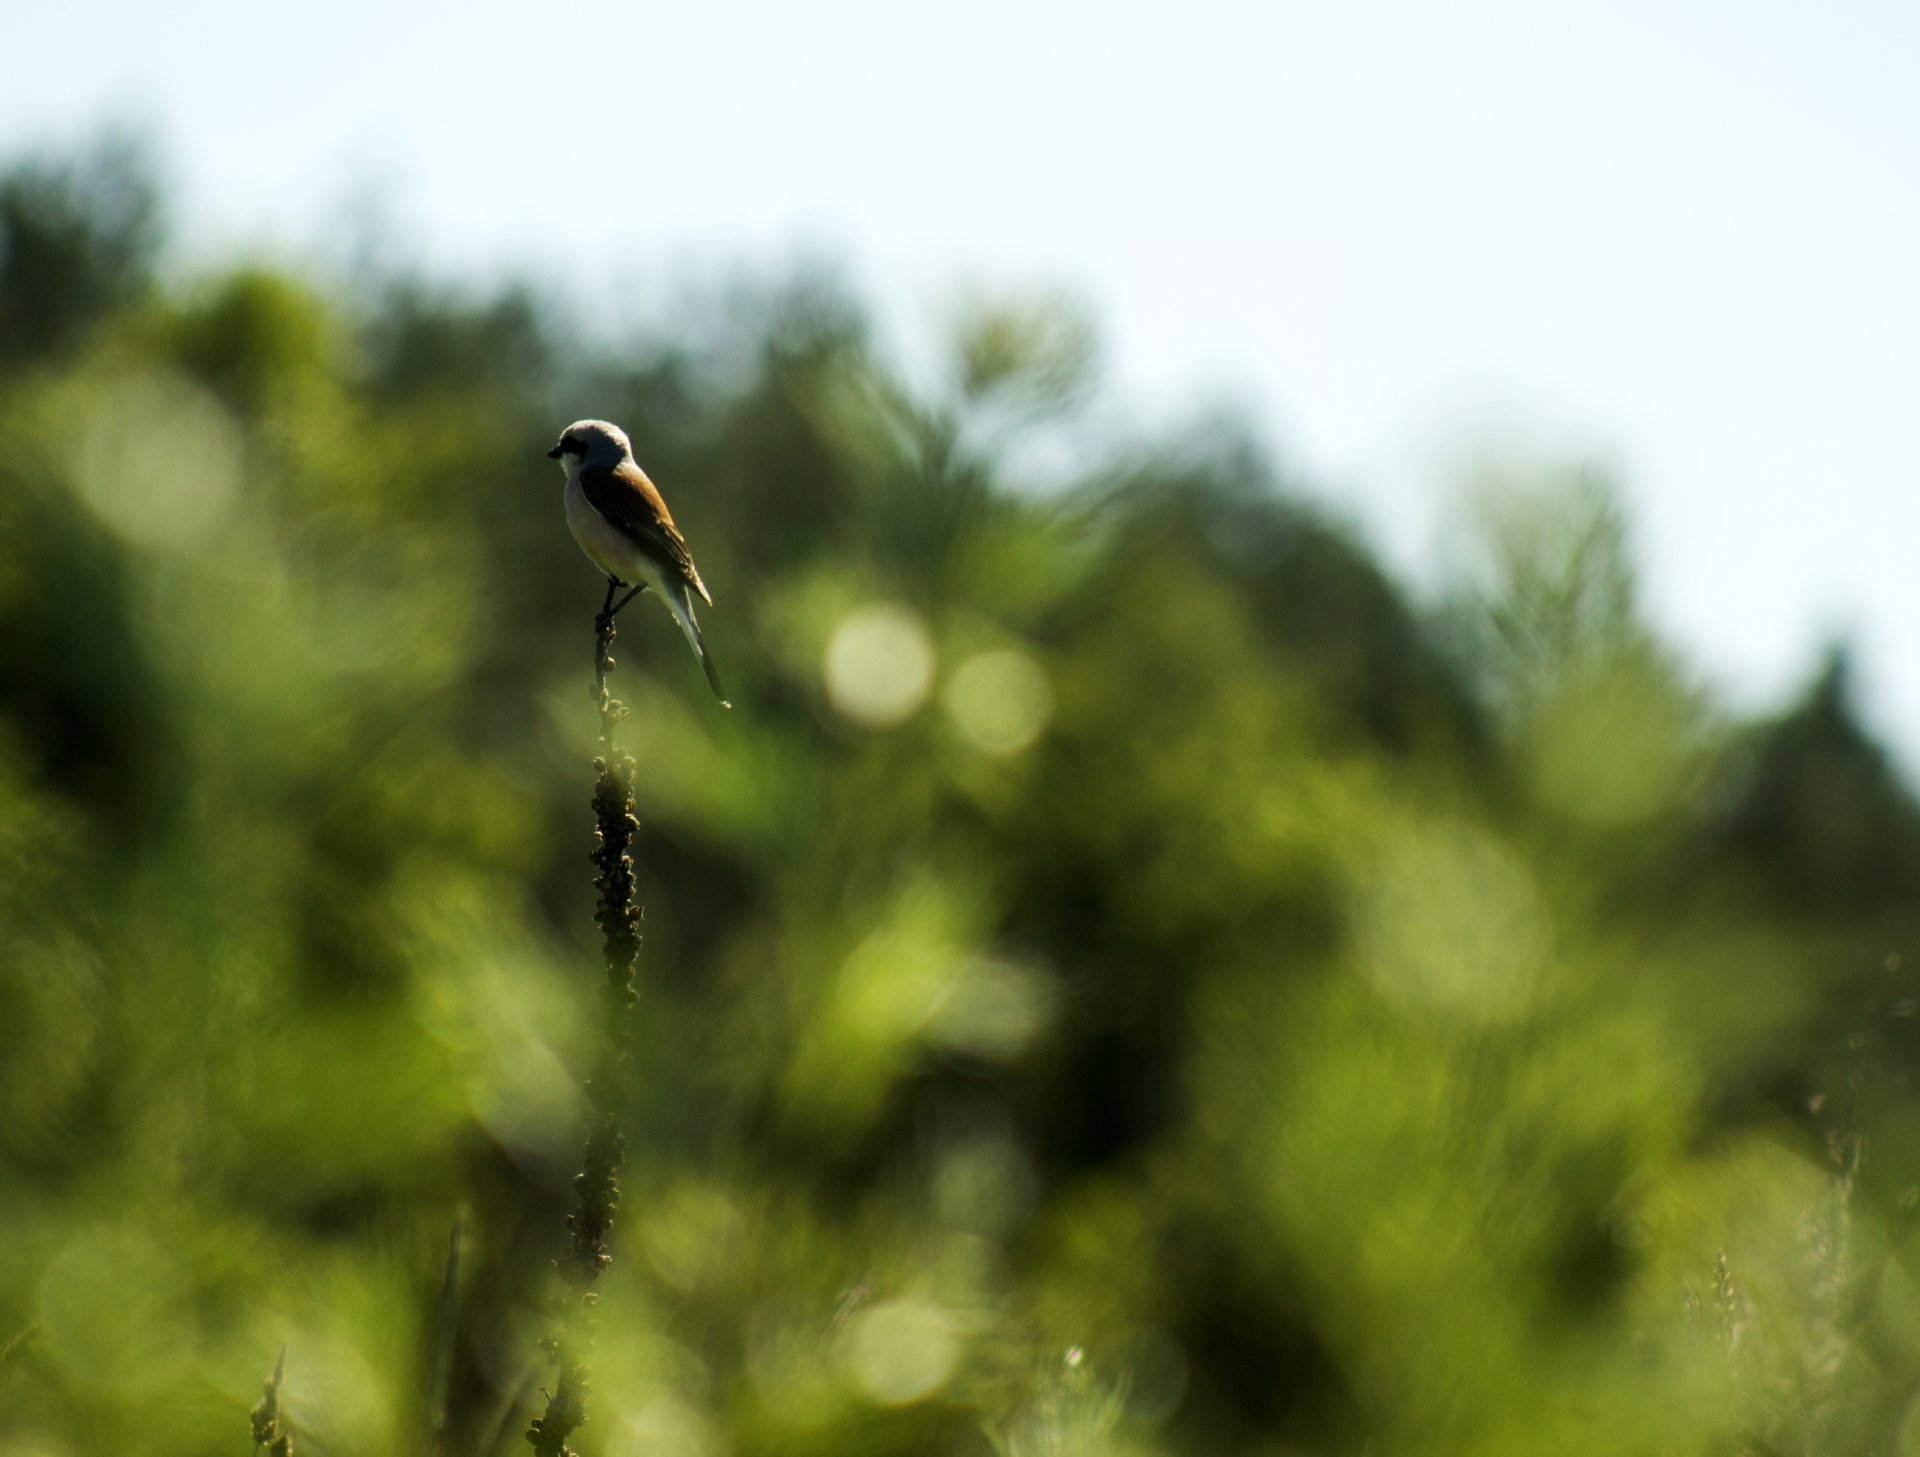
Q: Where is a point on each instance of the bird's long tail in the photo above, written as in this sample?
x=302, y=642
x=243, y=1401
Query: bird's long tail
x=680, y=601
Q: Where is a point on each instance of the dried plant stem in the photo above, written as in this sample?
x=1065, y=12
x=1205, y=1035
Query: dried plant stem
x=15, y=1350
x=445, y=1326
x=597, y=1185
x=269, y=1424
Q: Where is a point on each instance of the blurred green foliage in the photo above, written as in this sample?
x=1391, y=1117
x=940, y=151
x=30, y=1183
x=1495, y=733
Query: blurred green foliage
x=1123, y=980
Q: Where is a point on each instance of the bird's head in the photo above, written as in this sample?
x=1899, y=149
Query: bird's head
x=591, y=442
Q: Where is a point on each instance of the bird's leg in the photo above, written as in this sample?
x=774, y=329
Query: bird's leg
x=610, y=613
x=607, y=609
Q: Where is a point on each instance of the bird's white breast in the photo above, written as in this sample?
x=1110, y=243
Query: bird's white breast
x=605, y=545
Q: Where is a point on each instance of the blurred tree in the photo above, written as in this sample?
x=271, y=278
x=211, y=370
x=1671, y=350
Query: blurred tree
x=256, y=337
x=78, y=241
x=1821, y=817
x=423, y=339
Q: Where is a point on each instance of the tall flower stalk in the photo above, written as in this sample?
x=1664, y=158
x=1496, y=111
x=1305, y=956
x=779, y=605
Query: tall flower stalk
x=597, y=1186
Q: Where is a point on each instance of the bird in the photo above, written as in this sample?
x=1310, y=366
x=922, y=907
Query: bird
x=622, y=524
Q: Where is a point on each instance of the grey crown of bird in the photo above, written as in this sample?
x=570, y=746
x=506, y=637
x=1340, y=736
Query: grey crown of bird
x=622, y=524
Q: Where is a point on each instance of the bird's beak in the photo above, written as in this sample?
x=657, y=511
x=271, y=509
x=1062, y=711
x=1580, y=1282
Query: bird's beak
x=554, y=454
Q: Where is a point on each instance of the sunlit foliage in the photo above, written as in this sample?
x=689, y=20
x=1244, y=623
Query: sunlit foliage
x=1123, y=979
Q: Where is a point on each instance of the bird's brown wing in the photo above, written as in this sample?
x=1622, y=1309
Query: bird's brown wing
x=632, y=504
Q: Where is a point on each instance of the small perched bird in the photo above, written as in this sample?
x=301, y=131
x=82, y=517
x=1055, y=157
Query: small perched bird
x=625, y=529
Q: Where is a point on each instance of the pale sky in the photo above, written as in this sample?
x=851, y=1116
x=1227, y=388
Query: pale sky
x=1684, y=236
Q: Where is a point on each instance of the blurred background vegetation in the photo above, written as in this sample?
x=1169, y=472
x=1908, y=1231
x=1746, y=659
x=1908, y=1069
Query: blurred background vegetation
x=1125, y=978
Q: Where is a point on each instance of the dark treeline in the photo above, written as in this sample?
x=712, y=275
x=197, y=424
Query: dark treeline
x=1124, y=978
